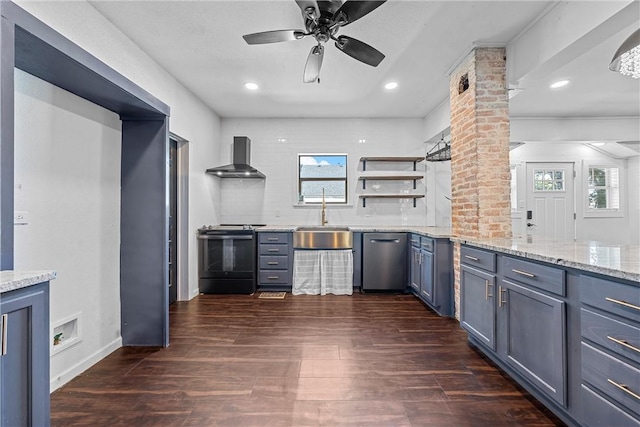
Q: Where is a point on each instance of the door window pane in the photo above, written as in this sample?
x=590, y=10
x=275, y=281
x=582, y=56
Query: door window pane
x=548, y=180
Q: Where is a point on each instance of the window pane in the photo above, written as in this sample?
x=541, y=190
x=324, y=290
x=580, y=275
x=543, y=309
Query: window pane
x=559, y=175
x=334, y=191
x=598, y=199
x=604, y=188
x=598, y=176
x=559, y=186
x=323, y=166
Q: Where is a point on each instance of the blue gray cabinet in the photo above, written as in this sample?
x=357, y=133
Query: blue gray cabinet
x=24, y=364
x=357, y=260
x=430, y=272
x=477, y=307
x=275, y=261
x=515, y=310
x=610, y=331
x=534, y=334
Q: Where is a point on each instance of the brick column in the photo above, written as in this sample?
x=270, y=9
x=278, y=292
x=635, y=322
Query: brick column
x=480, y=175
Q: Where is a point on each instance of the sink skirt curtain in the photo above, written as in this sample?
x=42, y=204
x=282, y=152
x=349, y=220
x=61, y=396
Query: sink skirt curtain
x=318, y=272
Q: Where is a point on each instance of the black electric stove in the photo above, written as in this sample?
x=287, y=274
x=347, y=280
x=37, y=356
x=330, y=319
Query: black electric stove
x=227, y=258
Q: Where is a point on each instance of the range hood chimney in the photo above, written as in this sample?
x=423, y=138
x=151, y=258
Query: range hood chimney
x=240, y=167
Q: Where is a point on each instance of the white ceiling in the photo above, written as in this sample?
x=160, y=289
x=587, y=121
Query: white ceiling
x=200, y=43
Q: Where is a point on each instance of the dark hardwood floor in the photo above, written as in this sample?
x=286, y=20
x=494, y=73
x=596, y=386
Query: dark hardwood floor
x=234, y=360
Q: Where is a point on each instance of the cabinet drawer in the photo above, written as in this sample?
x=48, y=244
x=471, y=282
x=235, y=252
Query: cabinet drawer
x=414, y=239
x=621, y=338
x=274, y=249
x=614, y=378
x=541, y=276
x=274, y=262
x=273, y=276
x=478, y=258
x=599, y=412
x=273, y=237
x=614, y=297
x=426, y=244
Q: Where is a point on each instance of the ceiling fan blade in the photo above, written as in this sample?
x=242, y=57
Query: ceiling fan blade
x=314, y=62
x=274, y=36
x=305, y=4
x=353, y=10
x=359, y=50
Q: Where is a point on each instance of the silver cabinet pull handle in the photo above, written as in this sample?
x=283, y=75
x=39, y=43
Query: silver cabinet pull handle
x=272, y=239
x=624, y=388
x=274, y=250
x=501, y=301
x=487, y=285
x=5, y=328
x=623, y=343
x=272, y=263
x=272, y=277
x=524, y=273
x=472, y=258
x=623, y=303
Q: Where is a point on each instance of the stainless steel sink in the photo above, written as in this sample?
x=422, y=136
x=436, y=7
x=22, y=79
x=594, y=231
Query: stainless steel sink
x=322, y=237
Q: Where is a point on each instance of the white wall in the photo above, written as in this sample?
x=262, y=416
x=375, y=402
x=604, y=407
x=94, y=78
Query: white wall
x=67, y=176
x=272, y=200
x=603, y=229
x=190, y=119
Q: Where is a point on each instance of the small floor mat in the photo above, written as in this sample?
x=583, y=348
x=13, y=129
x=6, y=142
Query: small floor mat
x=272, y=295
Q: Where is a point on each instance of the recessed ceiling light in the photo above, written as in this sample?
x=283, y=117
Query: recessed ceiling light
x=558, y=84
x=251, y=86
x=391, y=85
x=597, y=144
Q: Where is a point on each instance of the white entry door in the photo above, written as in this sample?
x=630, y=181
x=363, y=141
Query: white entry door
x=550, y=200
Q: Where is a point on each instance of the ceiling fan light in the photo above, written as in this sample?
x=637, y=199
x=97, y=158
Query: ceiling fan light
x=626, y=60
x=391, y=85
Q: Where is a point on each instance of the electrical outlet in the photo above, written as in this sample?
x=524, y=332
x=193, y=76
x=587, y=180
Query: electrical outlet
x=21, y=217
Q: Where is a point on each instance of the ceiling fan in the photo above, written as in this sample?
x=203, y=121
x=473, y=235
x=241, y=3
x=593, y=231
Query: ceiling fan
x=322, y=20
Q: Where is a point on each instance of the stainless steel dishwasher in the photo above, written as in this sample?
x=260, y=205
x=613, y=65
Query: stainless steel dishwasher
x=384, y=261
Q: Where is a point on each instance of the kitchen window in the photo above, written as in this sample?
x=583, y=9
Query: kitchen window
x=603, y=188
x=322, y=172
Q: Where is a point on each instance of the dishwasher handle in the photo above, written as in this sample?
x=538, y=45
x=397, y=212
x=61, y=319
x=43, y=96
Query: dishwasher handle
x=384, y=241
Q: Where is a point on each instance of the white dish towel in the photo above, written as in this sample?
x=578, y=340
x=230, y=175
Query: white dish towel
x=318, y=272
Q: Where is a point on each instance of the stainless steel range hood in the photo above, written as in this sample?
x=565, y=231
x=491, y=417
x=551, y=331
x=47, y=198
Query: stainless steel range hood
x=240, y=167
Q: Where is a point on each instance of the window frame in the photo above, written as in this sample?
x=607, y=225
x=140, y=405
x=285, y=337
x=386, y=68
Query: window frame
x=590, y=212
x=300, y=180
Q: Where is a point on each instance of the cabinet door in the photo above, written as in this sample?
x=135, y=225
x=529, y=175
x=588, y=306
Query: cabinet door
x=477, y=306
x=414, y=272
x=535, y=337
x=24, y=390
x=426, y=282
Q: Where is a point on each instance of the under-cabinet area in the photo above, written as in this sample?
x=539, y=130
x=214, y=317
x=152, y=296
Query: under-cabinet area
x=570, y=337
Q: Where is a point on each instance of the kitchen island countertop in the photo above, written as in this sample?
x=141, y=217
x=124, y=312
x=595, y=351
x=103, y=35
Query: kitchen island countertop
x=610, y=259
x=11, y=280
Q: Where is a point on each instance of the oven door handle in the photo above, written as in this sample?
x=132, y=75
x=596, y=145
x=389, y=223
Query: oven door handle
x=224, y=237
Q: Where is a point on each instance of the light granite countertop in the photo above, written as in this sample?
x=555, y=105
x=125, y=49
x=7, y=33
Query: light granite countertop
x=436, y=232
x=11, y=280
x=621, y=261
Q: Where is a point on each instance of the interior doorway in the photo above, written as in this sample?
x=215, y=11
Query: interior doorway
x=178, y=218
x=550, y=210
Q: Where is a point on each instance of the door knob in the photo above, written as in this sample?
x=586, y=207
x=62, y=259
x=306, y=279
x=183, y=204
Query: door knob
x=530, y=224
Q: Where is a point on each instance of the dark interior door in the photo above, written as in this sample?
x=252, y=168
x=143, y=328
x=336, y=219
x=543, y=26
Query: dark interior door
x=173, y=216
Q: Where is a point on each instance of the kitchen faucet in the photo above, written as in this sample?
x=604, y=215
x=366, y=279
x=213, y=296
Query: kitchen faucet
x=324, y=210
